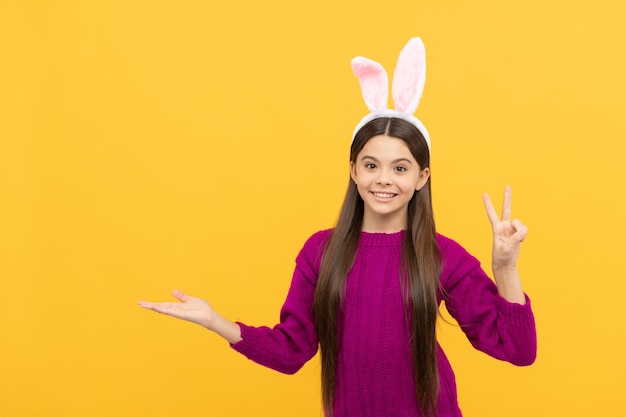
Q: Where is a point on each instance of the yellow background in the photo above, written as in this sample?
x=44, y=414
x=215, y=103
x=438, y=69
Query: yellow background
x=151, y=145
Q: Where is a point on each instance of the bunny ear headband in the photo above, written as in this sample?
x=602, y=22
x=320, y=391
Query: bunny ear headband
x=408, y=85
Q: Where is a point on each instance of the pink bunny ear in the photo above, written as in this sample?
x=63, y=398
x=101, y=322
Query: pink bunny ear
x=374, y=82
x=409, y=77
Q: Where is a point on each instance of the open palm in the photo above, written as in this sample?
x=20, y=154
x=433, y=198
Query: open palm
x=195, y=310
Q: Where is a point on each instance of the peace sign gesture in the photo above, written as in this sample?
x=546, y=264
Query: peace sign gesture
x=507, y=233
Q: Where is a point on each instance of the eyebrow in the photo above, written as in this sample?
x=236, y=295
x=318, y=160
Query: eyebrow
x=395, y=161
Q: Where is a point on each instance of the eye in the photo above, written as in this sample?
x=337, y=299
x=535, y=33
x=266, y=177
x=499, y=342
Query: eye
x=370, y=165
x=400, y=168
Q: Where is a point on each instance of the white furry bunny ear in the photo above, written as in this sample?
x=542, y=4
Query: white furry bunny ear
x=409, y=77
x=408, y=85
x=374, y=83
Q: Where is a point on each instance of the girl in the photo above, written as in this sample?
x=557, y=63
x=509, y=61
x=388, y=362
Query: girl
x=367, y=292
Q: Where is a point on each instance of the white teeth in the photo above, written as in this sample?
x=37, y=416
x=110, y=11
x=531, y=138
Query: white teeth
x=384, y=195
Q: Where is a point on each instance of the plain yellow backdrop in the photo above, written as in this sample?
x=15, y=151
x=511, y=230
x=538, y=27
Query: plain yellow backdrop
x=151, y=145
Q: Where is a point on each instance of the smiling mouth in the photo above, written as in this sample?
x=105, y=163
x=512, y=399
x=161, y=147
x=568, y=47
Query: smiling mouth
x=384, y=195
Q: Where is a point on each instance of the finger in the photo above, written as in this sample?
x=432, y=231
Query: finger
x=158, y=307
x=506, y=205
x=491, y=211
x=180, y=296
x=170, y=309
x=521, y=231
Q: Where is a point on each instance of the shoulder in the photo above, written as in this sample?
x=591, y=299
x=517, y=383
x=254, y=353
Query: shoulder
x=313, y=249
x=454, y=257
x=318, y=239
x=449, y=246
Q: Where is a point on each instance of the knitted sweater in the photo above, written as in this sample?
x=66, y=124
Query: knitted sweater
x=374, y=372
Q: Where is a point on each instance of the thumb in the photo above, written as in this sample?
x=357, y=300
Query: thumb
x=180, y=296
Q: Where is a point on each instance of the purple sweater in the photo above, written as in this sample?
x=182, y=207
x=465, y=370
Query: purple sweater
x=374, y=372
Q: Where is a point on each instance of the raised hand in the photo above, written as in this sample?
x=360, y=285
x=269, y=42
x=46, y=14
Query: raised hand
x=507, y=233
x=507, y=236
x=199, y=311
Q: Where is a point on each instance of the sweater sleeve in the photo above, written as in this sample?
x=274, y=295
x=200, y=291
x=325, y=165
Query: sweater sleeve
x=502, y=329
x=291, y=343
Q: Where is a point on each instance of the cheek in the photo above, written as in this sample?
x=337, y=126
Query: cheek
x=411, y=186
x=362, y=184
x=361, y=177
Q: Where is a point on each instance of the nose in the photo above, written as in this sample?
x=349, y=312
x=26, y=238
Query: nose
x=383, y=178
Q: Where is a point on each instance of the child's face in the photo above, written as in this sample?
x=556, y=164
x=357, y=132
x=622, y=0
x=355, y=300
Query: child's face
x=386, y=176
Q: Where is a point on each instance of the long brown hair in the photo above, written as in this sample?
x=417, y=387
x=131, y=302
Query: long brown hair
x=420, y=270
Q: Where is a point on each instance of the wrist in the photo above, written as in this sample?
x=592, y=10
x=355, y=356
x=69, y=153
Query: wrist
x=210, y=322
x=509, y=283
x=503, y=267
x=225, y=328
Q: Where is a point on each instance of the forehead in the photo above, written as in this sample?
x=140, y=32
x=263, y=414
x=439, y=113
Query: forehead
x=386, y=148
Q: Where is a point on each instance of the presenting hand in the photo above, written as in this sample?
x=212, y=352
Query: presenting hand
x=188, y=308
x=507, y=233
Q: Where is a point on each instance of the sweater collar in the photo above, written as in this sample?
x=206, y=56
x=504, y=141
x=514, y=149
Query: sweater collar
x=382, y=239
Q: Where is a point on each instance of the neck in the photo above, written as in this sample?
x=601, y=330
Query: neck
x=373, y=223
